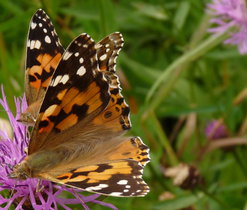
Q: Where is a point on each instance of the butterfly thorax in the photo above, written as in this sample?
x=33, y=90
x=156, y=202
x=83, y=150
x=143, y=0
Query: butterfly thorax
x=35, y=164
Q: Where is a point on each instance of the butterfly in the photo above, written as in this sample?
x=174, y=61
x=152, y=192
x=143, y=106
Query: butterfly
x=78, y=136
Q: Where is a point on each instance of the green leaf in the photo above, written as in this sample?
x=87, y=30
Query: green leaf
x=179, y=202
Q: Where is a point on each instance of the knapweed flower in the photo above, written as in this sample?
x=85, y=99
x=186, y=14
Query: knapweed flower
x=31, y=193
x=228, y=14
x=216, y=129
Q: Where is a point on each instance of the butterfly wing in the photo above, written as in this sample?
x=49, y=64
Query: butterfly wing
x=44, y=52
x=117, y=173
x=78, y=92
x=116, y=116
x=111, y=121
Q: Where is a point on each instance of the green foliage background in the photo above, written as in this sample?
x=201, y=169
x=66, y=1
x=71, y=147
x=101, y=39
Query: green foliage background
x=156, y=33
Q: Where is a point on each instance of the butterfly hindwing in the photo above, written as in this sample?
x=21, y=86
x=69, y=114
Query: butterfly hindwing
x=132, y=148
x=44, y=52
x=121, y=178
x=117, y=173
x=78, y=92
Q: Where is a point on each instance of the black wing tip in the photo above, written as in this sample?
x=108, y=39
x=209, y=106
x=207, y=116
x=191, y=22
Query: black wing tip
x=117, y=36
x=40, y=11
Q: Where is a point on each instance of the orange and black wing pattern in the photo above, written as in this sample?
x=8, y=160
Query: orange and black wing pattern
x=116, y=116
x=44, y=52
x=119, y=173
x=77, y=93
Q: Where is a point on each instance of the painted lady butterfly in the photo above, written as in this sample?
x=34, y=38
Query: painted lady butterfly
x=77, y=139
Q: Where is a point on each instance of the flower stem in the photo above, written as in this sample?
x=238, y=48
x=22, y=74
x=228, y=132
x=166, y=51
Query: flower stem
x=164, y=84
x=164, y=141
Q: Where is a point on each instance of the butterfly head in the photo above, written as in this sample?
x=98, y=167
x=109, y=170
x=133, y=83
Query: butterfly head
x=27, y=118
x=20, y=171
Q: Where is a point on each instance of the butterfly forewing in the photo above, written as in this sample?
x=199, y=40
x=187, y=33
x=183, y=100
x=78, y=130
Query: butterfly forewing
x=44, y=52
x=116, y=116
x=78, y=92
x=108, y=50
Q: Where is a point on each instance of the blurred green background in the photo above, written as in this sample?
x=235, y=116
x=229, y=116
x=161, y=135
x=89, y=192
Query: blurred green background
x=209, y=87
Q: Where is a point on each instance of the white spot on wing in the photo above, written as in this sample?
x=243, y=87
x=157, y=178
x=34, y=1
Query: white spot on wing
x=66, y=55
x=51, y=109
x=35, y=44
x=45, y=30
x=99, y=187
x=81, y=71
x=33, y=25
x=115, y=193
x=56, y=81
x=103, y=57
x=127, y=186
x=97, y=46
x=122, y=182
x=47, y=39
x=32, y=44
x=40, y=24
x=64, y=79
x=104, y=185
x=81, y=60
x=76, y=54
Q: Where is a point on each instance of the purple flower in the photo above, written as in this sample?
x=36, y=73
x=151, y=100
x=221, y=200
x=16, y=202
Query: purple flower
x=30, y=193
x=228, y=14
x=216, y=129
